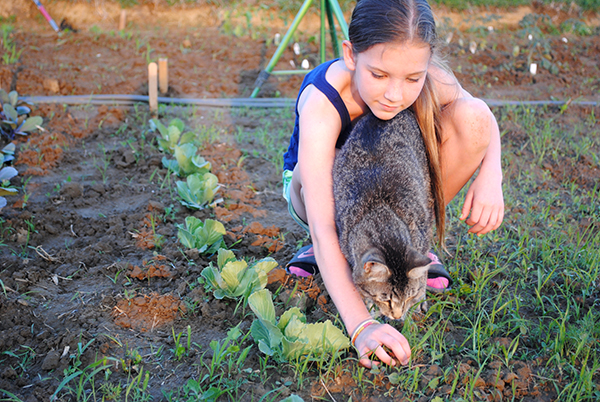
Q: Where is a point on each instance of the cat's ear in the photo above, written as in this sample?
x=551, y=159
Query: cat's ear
x=416, y=263
x=372, y=255
x=376, y=271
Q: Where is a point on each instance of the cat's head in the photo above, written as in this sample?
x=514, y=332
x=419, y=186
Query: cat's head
x=394, y=286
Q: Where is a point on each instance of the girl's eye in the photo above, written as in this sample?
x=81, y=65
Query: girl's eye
x=376, y=76
x=413, y=80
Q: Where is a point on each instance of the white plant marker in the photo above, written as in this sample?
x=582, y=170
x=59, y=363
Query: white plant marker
x=163, y=75
x=296, y=48
x=565, y=40
x=533, y=68
x=153, y=88
x=305, y=64
x=292, y=63
x=277, y=39
x=123, y=20
x=473, y=47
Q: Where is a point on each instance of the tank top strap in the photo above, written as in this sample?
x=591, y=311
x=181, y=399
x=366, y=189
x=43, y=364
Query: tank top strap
x=334, y=97
x=319, y=80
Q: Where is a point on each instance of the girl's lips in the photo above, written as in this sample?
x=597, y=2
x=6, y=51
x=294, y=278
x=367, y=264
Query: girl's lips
x=388, y=108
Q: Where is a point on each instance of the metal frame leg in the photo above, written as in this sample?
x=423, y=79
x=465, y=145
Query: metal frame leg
x=331, y=7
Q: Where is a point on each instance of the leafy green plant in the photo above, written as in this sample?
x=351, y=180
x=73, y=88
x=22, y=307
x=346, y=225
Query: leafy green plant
x=6, y=173
x=198, y=190
x=11, y=54
x=180, y=349
x=206, y=237
x=186, y=161
x=291, y=337
x=171, y=135
x=232, y=278
x=14, y=117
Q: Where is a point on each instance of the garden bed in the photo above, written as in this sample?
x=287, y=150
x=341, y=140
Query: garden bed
x=100, y=297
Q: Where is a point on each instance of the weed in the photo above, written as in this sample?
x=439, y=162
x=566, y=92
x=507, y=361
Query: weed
x=11, y=54
x=103, y=163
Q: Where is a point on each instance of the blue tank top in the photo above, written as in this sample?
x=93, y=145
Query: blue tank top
x=317, y=78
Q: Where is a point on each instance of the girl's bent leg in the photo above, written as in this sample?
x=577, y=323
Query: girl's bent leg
x=466, y=128
x=297, y=195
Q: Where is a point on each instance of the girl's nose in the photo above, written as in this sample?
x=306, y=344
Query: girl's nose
x=393, y=92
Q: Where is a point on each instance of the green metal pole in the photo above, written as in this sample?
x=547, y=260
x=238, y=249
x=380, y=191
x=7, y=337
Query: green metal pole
x=323, y=44
x=264, y=75
x=334, y=40
x=339, y=15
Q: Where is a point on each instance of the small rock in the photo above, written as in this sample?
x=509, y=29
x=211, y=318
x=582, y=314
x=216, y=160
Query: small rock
x=99, y=188
x=509, y=377
x=72, y=190
x=496, y=395
x=51, y=360
x=192, y=253
x=51, y=84
x=156, y=206
x=434, y=371
x=479, y=383
x=495, y=365
x=494, y=380
x=9, y=373
x=50, y=229
x=524, y=373
x=186, y=43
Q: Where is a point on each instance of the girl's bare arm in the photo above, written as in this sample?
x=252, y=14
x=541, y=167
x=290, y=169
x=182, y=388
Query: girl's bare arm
x=319, y=128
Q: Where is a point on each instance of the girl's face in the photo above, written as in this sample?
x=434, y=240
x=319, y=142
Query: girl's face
x=388, y=77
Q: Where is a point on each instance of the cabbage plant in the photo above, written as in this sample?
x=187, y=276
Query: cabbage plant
x=186, y=161
x=206, y=237
x=291, y=337
x=6, y=173
x=171, y=135
x=14, y=117
x=198, y=190
x=232, y=278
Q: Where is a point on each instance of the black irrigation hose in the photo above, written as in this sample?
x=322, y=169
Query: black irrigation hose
x=132, y=99
x=239, y=102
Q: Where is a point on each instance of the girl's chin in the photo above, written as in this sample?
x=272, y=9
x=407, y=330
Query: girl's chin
x=385, y=113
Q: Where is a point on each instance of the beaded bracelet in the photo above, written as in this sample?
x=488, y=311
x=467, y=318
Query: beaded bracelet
x=361, y=327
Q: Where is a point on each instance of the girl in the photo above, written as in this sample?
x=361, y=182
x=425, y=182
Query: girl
x=389, y=64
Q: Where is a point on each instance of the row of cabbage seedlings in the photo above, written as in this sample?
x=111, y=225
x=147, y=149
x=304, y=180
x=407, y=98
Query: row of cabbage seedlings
x=14, y=120
x=287, y=338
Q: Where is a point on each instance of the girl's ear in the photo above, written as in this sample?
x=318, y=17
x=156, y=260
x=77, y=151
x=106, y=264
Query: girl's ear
x=349, y=55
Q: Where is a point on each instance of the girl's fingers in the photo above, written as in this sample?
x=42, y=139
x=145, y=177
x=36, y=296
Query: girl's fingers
x=482, y=222
x=382, y=341
x=466, y=206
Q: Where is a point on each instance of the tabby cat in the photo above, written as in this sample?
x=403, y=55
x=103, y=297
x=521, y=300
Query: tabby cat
x=384, y=211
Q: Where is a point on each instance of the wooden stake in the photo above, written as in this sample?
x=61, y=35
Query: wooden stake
x=123, y=20
x=153, y=88
x=163, y=75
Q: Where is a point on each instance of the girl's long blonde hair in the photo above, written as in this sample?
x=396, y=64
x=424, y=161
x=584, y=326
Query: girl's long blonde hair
x=408, y=21
x=428, y=110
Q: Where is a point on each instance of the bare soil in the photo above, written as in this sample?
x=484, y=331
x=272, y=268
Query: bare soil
x=89, y=250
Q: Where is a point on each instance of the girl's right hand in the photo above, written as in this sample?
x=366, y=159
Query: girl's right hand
x=374, y=337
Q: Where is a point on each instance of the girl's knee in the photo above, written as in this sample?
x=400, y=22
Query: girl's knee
x=471, y=123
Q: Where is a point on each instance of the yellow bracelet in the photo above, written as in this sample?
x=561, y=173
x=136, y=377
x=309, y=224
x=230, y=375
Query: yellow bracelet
x=361, y=327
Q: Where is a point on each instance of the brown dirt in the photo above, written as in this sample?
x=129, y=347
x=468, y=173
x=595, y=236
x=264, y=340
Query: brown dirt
x=92, y=253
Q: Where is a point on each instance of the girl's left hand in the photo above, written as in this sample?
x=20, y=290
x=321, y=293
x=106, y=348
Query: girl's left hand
x=483, y=209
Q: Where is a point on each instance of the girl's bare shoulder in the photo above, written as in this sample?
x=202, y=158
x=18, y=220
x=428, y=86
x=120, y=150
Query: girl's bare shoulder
x=337, y=75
